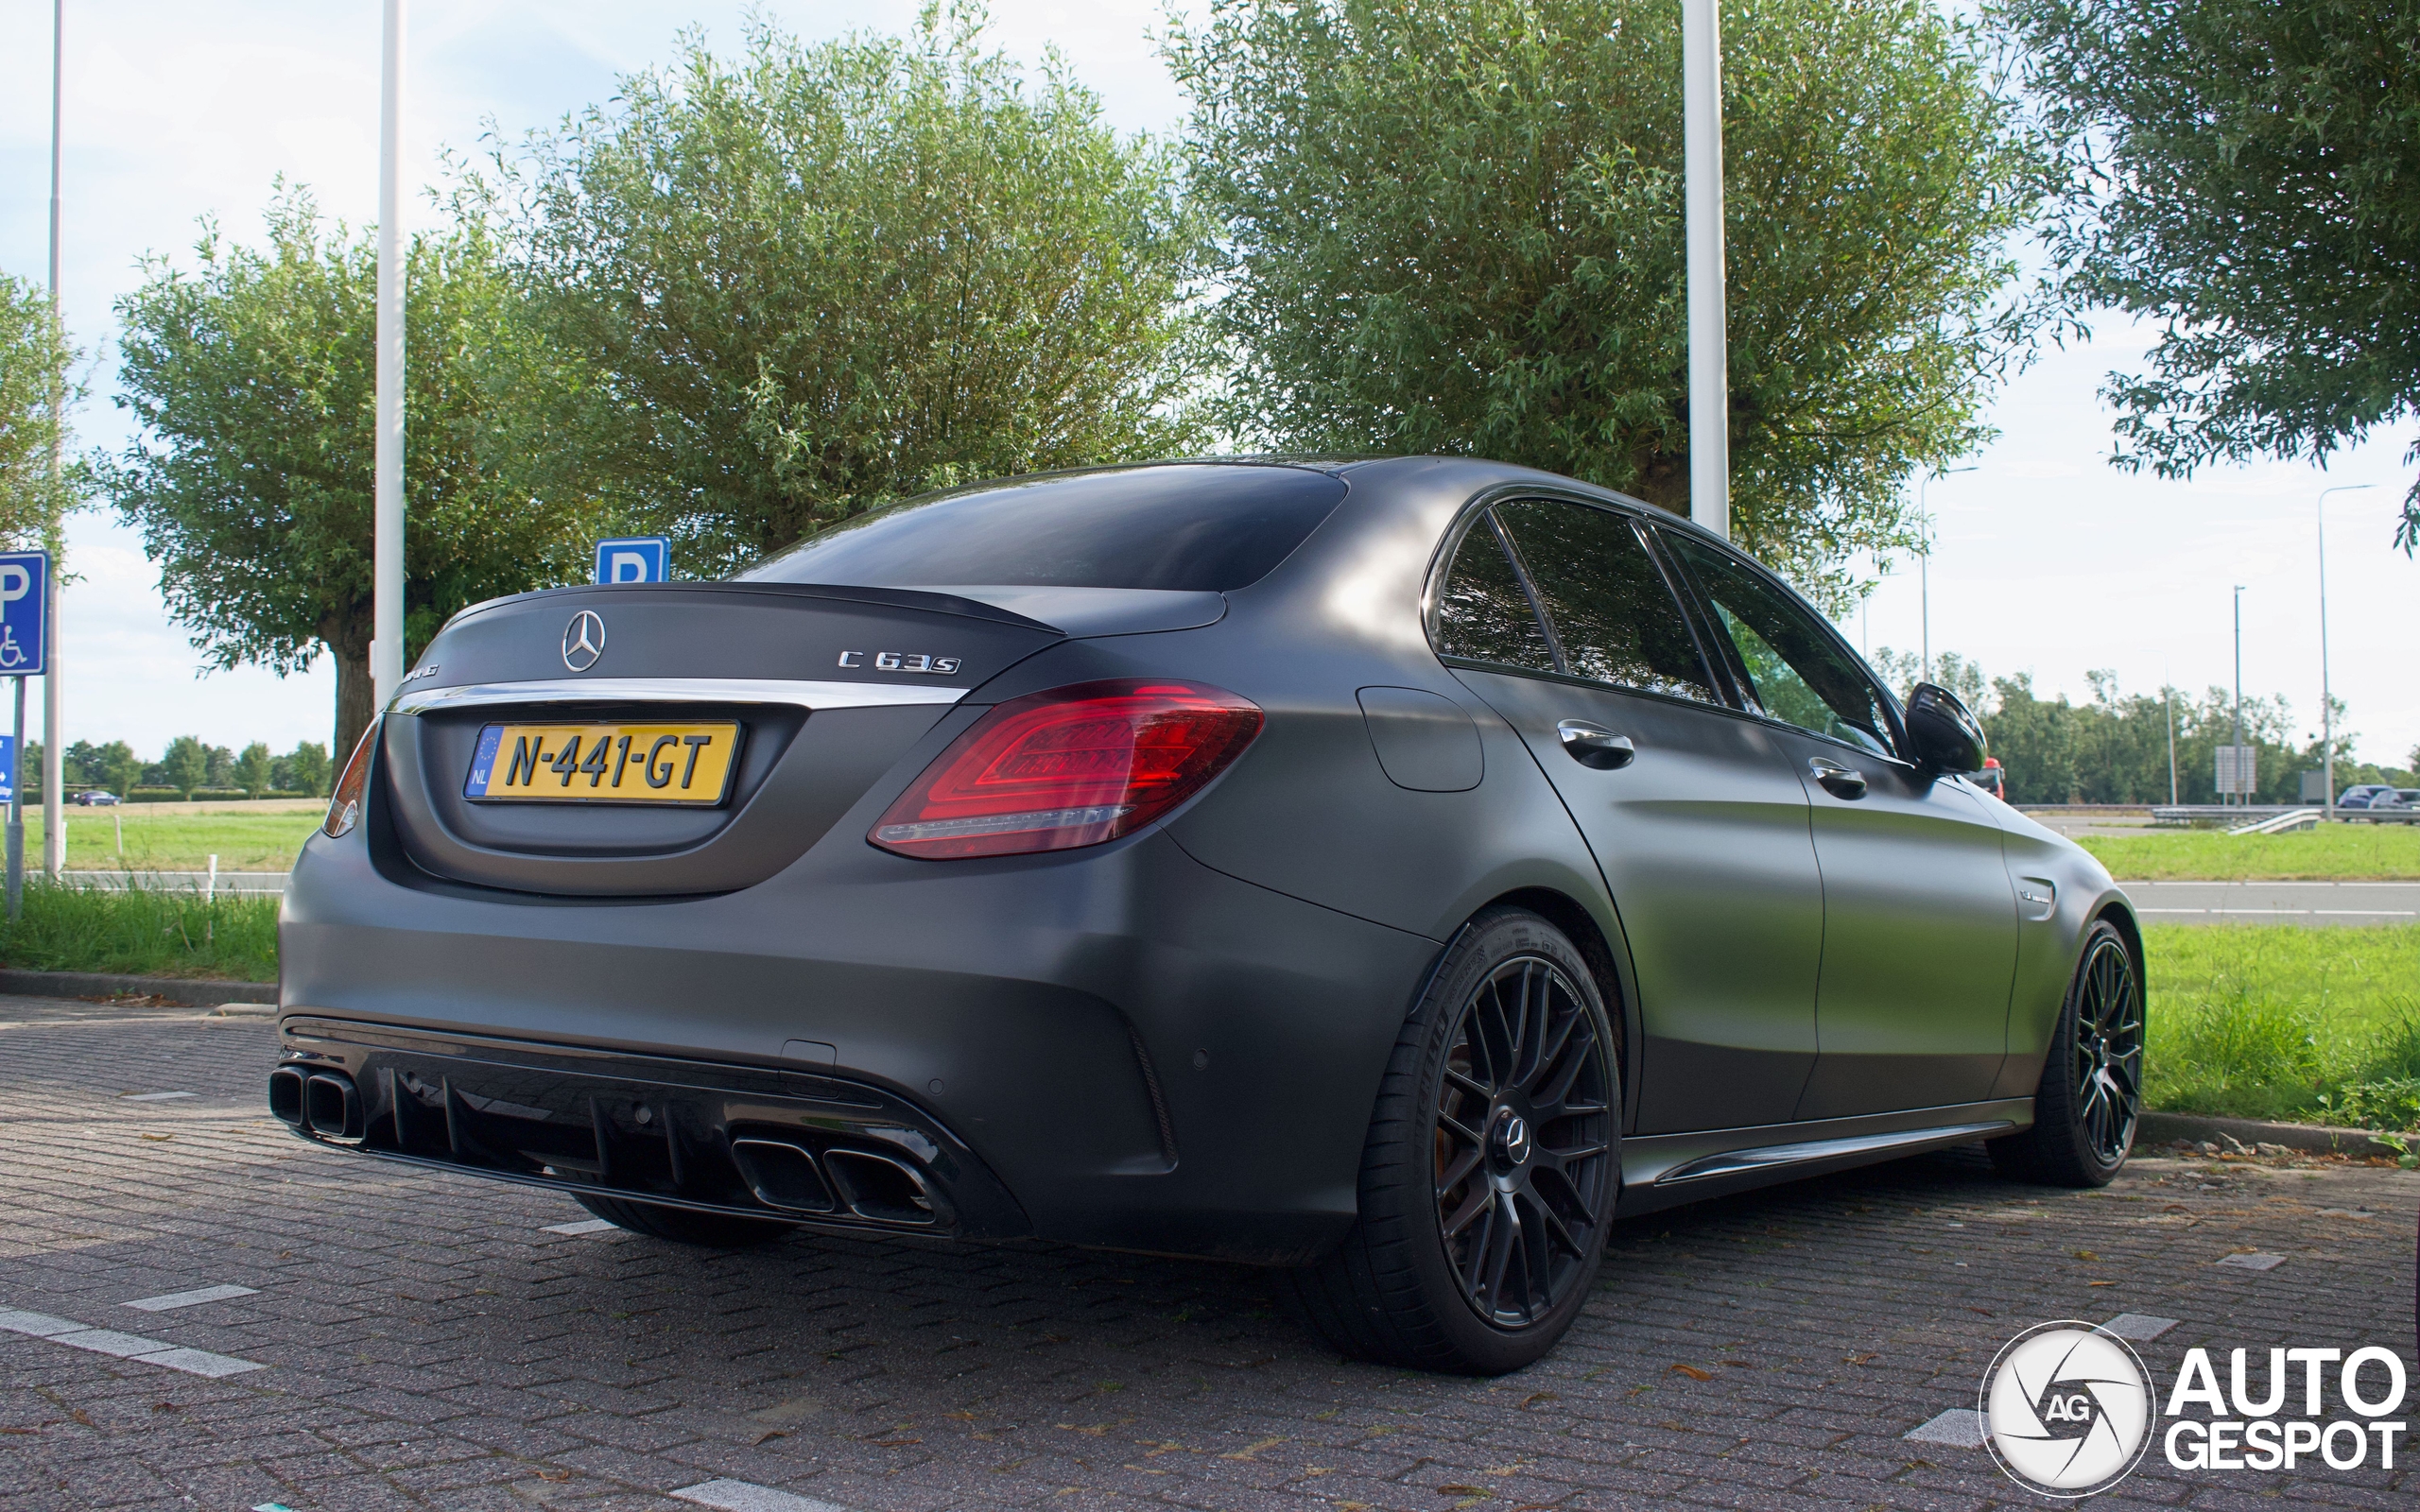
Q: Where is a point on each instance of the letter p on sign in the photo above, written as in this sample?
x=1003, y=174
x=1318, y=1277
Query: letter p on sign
x=634, y=560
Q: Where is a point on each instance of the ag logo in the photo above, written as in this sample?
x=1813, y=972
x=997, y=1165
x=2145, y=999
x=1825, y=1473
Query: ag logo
x=583, y=640
x=2067, y=1409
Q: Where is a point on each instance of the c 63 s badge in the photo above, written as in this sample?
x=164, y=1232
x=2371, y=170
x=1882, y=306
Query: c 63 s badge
x=938, y=666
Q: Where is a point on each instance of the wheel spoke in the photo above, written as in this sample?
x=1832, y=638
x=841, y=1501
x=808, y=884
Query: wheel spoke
x=1468, y=1083
x=1480, y=1200
x=1453, y=1175
x=1452, y=1126
x=1503, y=1237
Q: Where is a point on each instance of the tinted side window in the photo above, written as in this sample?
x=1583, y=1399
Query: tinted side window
x=1610, y=609
x=1482, y=614
x=1797, y=671
x=1188, y=525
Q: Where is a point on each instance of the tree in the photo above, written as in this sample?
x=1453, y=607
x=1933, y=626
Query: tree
x=252, y=379
x=186, y=765
x=252, y=769
x=821, y=278
x=35, y=360
x=1456, y=226
x=308, y=768
x=116, y=768
x=2247, y=173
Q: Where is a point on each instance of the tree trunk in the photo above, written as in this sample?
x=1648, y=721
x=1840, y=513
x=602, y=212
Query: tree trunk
x=347, y=638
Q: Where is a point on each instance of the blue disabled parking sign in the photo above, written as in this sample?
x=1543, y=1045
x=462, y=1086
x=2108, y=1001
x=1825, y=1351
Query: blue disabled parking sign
x=634, y=560
x=25, y=612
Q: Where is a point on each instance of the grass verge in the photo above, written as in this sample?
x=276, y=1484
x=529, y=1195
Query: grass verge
x=2262, y=1020
x=185, y=842
x=143, y=932
x=2326, y=852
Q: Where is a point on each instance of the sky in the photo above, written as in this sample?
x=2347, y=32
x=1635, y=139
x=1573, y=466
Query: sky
x=2047, y=562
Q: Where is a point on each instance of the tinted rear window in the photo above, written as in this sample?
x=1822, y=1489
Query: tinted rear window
x=1187, y=527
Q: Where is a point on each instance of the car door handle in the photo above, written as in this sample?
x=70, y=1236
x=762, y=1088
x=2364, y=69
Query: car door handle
x=1595, y=746
x=1838, y=779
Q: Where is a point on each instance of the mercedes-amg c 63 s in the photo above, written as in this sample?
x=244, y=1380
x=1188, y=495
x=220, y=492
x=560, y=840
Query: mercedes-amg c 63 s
x=1391, y=870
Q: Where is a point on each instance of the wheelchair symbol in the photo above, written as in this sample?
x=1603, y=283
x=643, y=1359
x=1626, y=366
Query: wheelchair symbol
x=12, y=654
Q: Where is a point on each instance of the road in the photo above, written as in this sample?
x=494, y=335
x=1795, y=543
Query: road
x=429, y=1341
x=2309, y=903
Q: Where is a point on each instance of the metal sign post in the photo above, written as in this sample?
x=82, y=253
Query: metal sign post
x=25, y=623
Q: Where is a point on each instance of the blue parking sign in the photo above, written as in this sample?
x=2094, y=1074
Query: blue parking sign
x=7, y=768
x=634, y=560
x=25, y=612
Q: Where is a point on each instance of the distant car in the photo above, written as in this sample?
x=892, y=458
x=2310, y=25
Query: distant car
x=2366, y=794
x=96, y=799
x=2408, y=797
x=1993, y=779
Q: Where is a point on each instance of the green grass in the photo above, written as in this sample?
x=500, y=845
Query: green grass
x=184, y=841
x=2262, y=1020
x=2368, y=853
x=143, y=932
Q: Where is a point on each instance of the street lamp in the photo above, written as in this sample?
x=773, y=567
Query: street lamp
x=386, y=466
x=2326, y=703
x=1701, y=196
x=2235, y=784
x=1924, y=563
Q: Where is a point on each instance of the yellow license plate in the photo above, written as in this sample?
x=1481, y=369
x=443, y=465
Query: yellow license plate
x=604, y=764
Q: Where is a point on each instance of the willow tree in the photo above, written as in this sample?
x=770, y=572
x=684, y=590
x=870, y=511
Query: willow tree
x=814, y=279
x=1456, y=226
x=251, y=379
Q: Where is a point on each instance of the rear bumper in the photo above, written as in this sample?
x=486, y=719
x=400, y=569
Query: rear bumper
x=1115, y=1046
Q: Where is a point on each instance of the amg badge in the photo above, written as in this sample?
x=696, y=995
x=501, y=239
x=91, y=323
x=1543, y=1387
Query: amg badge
x=939, y=666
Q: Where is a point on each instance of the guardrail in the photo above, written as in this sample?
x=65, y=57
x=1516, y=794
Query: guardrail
x=2243, y=817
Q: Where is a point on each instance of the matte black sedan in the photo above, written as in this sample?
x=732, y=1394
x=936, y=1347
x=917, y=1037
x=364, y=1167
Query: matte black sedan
x=1391, y=870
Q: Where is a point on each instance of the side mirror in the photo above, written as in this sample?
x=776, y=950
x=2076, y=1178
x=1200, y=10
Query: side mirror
x=1947, y=737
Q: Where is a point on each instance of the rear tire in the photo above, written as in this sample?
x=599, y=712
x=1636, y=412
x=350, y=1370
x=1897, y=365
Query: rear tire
x=685, y=1225
x=1488, y=1176
x=2090, y=1096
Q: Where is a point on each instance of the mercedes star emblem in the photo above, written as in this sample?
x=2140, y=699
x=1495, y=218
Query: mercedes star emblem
x=583, y=641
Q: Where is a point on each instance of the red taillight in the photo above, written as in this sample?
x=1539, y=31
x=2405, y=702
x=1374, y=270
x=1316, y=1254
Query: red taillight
x=344, y=806
x=1069, y=767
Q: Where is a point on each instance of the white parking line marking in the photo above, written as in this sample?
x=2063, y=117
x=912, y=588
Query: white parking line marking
x=1962, y=1426
x=110, y=1341
x=177, y=1299
x=124, y=1346
x=743, y=1496
x=152, y=1097
x=40, y=1325
x=591, y=1226
x=2368, y=913
x=2139, y=1327
x=2253, y=1262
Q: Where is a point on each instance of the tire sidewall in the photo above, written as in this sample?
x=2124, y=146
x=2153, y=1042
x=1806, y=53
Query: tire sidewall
x=1490, y=941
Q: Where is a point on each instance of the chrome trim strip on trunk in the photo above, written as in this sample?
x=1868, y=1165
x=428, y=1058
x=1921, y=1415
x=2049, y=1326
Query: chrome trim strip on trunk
x=1732, y=1163
x=676, y=690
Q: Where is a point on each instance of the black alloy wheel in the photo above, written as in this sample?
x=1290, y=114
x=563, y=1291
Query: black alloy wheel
x=1489, y=1175
x=1524, y=1141
x=2108, y=1064
x=2089, y=1101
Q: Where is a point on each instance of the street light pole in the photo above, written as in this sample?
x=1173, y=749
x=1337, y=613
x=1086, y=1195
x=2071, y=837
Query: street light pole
x=54, y=767
x=1709, y=355
x=2327, y=702
x=1924, y=566
x=2237, y=765
x=386, y=569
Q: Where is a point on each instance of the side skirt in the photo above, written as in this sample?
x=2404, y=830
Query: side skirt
x=1665, y=1170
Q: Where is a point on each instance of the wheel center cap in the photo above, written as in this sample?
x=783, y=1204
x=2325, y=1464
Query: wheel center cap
x=1512, y=1137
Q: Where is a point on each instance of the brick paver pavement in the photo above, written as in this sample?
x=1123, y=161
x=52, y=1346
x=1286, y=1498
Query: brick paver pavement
x=429, y=1343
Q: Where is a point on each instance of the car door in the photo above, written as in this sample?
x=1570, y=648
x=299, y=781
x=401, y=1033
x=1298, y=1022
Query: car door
x=1920, y=920
x=1691, y=813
